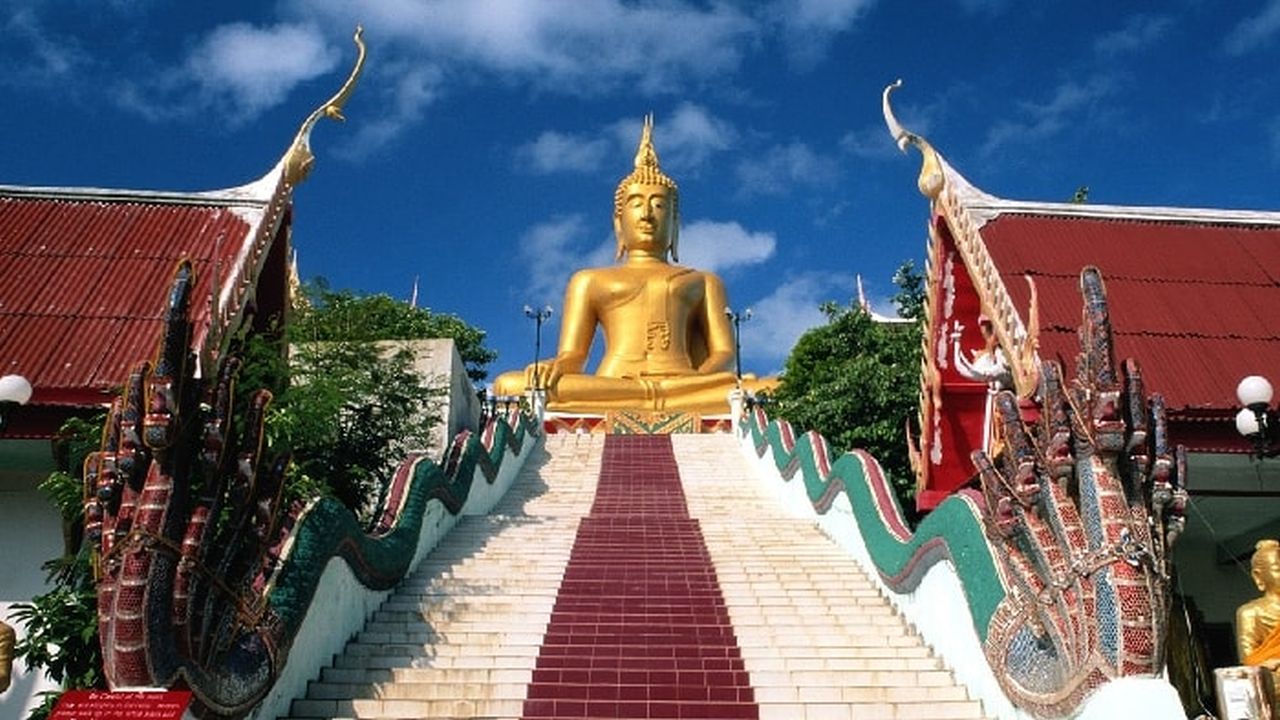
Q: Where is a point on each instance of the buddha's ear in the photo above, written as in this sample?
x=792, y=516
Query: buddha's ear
x=621, y=250
x=675, y=237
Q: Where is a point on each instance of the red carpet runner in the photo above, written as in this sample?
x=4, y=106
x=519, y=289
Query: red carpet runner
x=639, y=628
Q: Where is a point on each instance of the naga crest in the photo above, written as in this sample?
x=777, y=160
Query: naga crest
x=1082, y=504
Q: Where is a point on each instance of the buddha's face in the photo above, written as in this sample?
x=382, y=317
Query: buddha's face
x=1266, y=571
x=645, y=221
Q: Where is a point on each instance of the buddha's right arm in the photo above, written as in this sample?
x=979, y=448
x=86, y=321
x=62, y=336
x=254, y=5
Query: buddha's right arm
x=1246, y=632
x=551, y=370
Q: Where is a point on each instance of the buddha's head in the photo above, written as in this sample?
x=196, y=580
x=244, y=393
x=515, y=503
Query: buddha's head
x=646, y=205
x=1266, y=566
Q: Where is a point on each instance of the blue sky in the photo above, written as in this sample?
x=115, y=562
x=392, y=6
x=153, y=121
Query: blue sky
x=486, y=137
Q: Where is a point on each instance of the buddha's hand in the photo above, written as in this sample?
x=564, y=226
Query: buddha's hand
x=1082, y=505
x=543, y=374
x=546, y=374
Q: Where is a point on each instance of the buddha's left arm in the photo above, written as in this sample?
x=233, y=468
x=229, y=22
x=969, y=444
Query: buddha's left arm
x=719, y=331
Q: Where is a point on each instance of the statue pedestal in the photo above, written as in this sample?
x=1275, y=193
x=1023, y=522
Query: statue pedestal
x=1246, y=692
x=637, y=422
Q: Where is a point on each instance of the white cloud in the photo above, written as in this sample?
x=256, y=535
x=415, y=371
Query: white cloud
x=255, y=68
x=780, y=318
x=237, y=71
x=565, y=46
x=405, y=98
x=1139, y=32
x=719, y=246
x=1254, y=32
x=684, y=141
x=776, y=170
x=871, y=142
x=563, y=152
x=810, y=25
x=1070, y=104
x=690, y=136
x=39, y=56
x=550, y=251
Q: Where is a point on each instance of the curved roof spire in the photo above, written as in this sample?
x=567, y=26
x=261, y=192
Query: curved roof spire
x=931, y=175
x=299, y=159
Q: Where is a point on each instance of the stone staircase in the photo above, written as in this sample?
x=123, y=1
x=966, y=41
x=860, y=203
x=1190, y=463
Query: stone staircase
x=462, y=637
x=816, y=635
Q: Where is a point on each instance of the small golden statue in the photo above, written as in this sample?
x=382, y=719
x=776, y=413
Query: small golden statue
x=7, y=639
x=668, y=342
x=1258, y=621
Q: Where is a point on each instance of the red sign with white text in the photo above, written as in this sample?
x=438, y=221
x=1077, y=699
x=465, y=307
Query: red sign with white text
x=112, y=705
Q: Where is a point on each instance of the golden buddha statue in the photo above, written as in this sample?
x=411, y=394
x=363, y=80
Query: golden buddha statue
x=1258, y=621
x=668, y=341
x=7, y=640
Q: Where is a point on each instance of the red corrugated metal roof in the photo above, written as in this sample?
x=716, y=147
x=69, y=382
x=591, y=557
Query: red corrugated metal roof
x=1195, y=304
x=84, y=280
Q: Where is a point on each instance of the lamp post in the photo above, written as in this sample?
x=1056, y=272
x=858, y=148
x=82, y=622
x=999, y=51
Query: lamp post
x=737, y=319
x=538, y=316
x=15, y=390
x=1255, y=420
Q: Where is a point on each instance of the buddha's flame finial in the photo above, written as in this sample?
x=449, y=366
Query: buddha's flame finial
x=646, y=156
x=299, y=159
x=930, y=180
x=647, y=171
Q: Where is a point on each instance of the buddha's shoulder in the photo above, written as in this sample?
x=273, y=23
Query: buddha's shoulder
x=1258, y=606
x=665, y=270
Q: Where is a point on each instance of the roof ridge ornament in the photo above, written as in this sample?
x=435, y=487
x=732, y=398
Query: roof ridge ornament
x=299, y=159
x=931, y=175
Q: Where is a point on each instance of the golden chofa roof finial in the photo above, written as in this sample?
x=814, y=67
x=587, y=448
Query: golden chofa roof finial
x=299, y=159
x=930, y=180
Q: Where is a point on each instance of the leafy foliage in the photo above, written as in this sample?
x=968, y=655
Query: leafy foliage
x=344, y=315
x=349, y=415
x=61, y=625
x=910, y=295
x=855, y=381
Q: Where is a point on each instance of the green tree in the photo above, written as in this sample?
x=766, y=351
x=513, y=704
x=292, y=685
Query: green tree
x=351, y=412
x=910, y=295
x=61, y=626
x=344, y=315
x=856, y=381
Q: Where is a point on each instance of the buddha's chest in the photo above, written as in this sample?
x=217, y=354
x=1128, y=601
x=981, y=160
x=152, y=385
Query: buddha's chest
x=671, y=296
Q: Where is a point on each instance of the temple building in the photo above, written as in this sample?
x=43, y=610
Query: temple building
x=1192, y=295
x=84, y=279
x=84, y=275
x=652, y=576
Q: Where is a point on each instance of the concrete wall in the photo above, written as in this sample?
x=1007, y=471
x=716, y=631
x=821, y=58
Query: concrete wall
x=30, y=535
x=438, y=360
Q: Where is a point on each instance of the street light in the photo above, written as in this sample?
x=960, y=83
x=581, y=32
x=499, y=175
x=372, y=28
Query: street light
x=737, y=319
x=15, y=390
x=538, y=316
x=1254, y=420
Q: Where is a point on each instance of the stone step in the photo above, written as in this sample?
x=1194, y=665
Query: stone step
x=792, y=594
x=376, y=708
x=461, y=637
